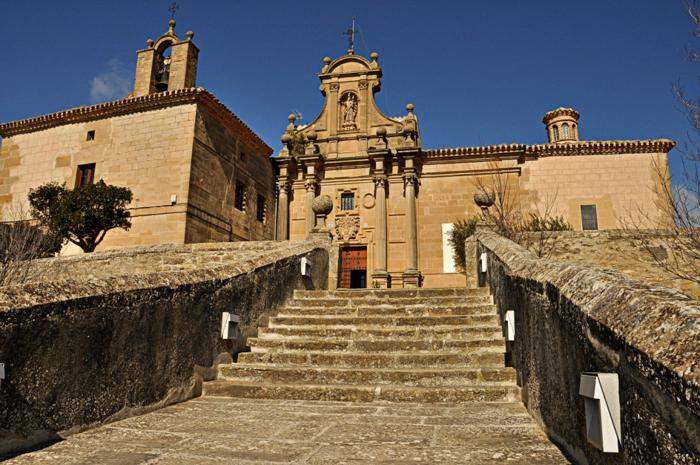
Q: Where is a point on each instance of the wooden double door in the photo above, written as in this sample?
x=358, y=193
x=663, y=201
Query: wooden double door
x=353, y=267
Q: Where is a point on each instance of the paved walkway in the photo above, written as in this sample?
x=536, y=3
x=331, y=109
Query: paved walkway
x=217, y=430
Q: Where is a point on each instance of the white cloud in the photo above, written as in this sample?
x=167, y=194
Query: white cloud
x=112, y=84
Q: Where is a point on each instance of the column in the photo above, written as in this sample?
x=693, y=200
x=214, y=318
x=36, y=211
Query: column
x=380, y=275
x=310, y=184
x=283, y=210
x=411, y=277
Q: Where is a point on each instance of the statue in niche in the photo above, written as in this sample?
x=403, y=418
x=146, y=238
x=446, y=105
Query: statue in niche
x=348, y=105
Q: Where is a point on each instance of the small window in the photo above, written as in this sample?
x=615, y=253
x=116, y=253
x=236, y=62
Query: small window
x=589, y=218
x=239, y=200
x=90, y=135
x=85, y=175
x=555, y=130
x=260, y=211
x=347, y=201
x=565, y=130
x=241, y=156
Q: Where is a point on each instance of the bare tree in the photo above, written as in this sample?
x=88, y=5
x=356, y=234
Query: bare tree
x=678, y=200
x=533, y=225
x=20, y=242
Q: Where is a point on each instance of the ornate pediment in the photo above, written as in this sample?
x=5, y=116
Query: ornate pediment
x=350, y=120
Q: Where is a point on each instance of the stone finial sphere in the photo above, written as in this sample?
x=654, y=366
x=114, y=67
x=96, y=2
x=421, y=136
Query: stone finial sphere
x=483, y=198
x=286, y=138
x=312, y=135
x=292, y=117
x=381, y=132
x=150, y=43
x=322, y=205
x=374, y=56
x=327, y=60
x=171, y=23
x=189, y=35
x=409, y=107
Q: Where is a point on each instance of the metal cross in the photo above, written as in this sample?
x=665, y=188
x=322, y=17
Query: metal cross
x=351, y=35
x=173, y=8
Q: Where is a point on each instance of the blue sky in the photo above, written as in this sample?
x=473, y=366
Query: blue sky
x=478, y=72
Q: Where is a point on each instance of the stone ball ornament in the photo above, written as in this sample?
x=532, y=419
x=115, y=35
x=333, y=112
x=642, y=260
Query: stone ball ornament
x=322, y=205
x=312, y=135
x=381, y=132
x=483, y=198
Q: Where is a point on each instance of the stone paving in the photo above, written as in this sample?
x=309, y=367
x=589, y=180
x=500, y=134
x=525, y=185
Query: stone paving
x=217, y=430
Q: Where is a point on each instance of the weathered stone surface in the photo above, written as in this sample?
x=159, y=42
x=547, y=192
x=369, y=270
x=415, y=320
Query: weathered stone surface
x=241, y=431
x=616, y=250
x=571, y=319
x=110, y=334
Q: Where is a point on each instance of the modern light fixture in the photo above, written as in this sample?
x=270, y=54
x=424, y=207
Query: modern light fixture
x=229, y=325
x=601, y=393
x=305, y=266
x=510, y=325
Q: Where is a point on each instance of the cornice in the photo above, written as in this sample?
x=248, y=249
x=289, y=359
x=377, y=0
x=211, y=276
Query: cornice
x=561, y=111
x=132, y=105
x=603, y=147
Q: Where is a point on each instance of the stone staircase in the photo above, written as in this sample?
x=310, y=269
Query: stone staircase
x=422, y=345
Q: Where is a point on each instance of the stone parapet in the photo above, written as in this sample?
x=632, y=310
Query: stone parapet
x=571, y=319
x=98, y=337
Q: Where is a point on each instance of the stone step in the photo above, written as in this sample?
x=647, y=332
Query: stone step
x=427, y=377
x=370, y=301
x=387, y=310
x=384, y=321
x=481, y=358
x=432, y=292
x=451, y=332
x=371, y=345
x=365, y=393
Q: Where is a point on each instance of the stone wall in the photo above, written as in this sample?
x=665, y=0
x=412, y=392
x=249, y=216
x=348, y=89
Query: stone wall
x=570, y=319
x=102, y=336
x=616, y=250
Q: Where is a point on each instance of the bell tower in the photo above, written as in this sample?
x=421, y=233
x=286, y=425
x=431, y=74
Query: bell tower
x=167, y=64
x=562, y=125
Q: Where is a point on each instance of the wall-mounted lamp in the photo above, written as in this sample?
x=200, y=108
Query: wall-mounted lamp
x=510, y=325
x=173, y=199
x=601, y=393
x=305, y=266
x=482, y=262
x=229, y=325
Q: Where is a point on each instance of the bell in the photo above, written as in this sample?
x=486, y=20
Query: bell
x=162, y=80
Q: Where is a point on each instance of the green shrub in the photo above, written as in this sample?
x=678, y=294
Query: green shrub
x=461, y=230
x=542, y=223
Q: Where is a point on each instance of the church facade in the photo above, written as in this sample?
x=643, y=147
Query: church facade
x=395, y=201
x=199, y=174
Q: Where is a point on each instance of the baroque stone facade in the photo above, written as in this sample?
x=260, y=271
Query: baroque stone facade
x=399, y=200
x=197, y=172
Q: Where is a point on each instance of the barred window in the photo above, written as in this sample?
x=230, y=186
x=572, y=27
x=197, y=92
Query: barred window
x=260, y=211
x=555, y=130
x=565, y=130
x=239, y=199
x=347, y=201
x=85, y=175
x=589, y=218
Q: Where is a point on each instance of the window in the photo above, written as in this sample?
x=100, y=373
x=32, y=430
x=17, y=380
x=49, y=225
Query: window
x=90, y=135
x=260, y=212
x=555, y=130
x=241, y=156
x=565, y=130
x=239, y=199
x=347, y=201
x=589, y=218
x=85, y=175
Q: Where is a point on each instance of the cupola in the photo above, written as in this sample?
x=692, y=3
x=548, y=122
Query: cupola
x=562, y=125
x=167, y=64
